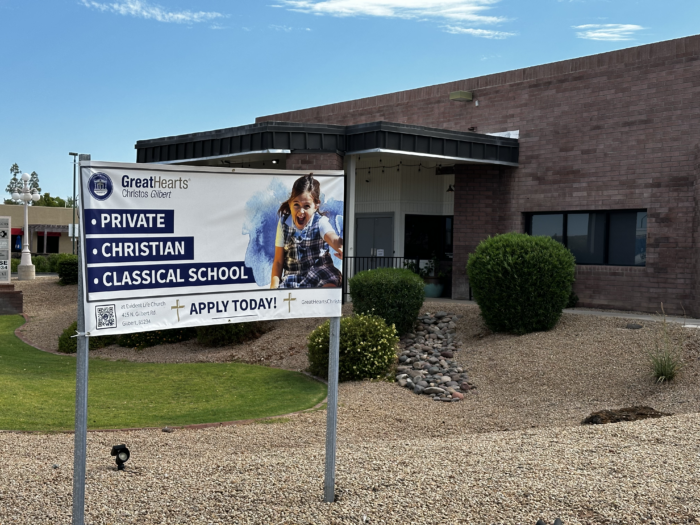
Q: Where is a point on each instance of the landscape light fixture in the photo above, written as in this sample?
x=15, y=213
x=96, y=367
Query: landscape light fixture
x=121, y=454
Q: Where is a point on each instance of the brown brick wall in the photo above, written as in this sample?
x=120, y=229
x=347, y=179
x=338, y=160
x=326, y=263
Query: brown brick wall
x=612, y=131
x=314, y=161
x=11, y=302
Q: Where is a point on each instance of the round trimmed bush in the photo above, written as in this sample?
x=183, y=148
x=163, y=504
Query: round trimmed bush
x=67, y=269
x=394, y=294
x=367, y=348
x=521, y=283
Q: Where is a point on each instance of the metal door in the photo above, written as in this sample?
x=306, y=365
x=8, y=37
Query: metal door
x=375, y=240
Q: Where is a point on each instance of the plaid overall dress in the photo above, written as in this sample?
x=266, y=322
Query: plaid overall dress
x=307, y=261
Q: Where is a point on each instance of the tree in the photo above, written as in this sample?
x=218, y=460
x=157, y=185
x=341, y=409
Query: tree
x=53, y=202
x=15, y=184
x=69, y=201
x=34, y=182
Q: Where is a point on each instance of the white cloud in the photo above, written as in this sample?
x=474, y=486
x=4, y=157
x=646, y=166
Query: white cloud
x=607, y=32
x=286, y=29
x=482, y=33
x=454, y=10
x=148, y=11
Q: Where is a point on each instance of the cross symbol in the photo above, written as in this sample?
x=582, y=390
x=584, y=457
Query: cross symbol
x=290, y=299
x=177, y=309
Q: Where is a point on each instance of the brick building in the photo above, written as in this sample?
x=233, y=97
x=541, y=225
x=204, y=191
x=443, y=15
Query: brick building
x=600, y=152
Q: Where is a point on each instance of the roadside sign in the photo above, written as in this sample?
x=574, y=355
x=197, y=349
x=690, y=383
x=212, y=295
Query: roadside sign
x=179, y=246
x=5, y=250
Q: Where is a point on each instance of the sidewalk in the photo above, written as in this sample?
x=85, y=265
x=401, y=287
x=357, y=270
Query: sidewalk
x=685, y=321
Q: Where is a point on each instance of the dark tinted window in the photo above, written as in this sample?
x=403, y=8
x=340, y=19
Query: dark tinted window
x=550, y=225
x=627, y=238
x=585, y=233
x=427, y=236
x=608, y=237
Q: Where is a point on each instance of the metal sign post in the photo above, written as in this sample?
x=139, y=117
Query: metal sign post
x=332, y=410
x=81, y=394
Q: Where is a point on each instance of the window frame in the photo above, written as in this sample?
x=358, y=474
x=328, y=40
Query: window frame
x=565, y=234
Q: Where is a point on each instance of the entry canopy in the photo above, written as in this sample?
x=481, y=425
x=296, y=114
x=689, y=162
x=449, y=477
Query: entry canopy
x=269, y=142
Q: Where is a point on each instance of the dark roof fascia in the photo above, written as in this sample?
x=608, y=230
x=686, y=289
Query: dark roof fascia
x=410, y=129
x=327, y=138
x=243, y=130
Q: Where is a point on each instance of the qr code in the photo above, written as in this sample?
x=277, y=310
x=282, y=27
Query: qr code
x=106, y=317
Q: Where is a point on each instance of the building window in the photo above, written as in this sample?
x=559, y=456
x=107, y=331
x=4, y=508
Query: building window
x=16, y=243
x=428, y=236
x=616, y=238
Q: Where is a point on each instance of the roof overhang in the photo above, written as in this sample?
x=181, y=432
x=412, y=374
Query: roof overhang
x=270, y=138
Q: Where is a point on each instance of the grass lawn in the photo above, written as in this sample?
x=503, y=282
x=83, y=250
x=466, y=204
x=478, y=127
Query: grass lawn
x=37, y=390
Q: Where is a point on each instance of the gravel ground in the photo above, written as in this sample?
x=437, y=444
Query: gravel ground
x=511, y=452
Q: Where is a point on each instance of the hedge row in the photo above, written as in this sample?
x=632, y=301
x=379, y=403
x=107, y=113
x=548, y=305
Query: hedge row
x=211, y=336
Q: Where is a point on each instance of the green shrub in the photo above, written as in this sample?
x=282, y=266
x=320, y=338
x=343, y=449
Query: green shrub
x=521, y=283
x=41, y=264
x=367, y=348
x=14, y=263
x=396, y=295
x=56, y=258
x=69, y=345
x=666, y=358
x=229, y=334
x=68, y=270
x=141, y=340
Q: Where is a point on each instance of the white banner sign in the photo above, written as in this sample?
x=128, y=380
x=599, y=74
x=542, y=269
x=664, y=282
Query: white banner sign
x=5, y=249
x=178, y=246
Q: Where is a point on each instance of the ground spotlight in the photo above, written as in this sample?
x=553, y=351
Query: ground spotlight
x=122, y=455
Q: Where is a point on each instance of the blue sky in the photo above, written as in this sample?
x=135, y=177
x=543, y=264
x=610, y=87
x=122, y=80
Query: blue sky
x=95, y=76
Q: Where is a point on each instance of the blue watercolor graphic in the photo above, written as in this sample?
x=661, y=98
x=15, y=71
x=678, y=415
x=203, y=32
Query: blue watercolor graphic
x=260, y=225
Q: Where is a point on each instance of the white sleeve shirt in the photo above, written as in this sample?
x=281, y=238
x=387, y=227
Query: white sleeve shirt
x=324, y=226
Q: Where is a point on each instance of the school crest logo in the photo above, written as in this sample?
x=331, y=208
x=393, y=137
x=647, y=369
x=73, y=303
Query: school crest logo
x=100, y=186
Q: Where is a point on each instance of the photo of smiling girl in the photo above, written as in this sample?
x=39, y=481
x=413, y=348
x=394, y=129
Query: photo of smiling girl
x=303, y=241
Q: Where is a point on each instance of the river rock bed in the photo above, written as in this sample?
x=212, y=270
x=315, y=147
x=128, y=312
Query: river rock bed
x=426, y=363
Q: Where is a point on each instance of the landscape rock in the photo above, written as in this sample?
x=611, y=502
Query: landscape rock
x=426, y=359
x=622, y=414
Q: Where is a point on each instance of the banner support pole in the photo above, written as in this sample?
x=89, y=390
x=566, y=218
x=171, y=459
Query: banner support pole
x=81, y=396
x=332, y=410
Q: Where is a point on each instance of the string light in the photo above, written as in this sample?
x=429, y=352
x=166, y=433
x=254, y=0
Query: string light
x=401, y=165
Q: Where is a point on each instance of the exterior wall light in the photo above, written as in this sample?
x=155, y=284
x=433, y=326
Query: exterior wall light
x=462, y=96
x=121, y=454
x=275, y=161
